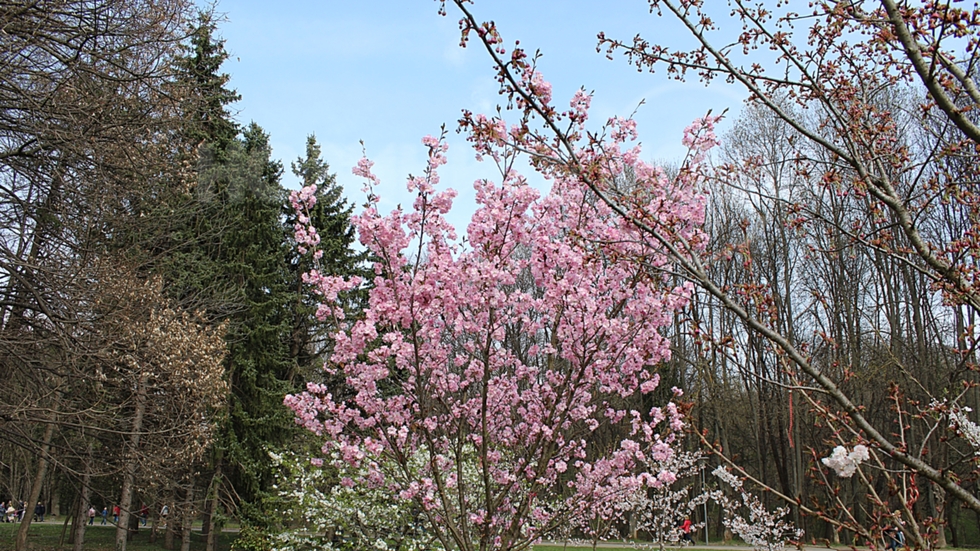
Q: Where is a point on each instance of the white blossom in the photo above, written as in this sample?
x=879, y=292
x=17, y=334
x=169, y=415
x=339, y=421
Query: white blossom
x=969, y=430
x=661, y=508
x=845, y=463
x=338, y=517
x=762, y=529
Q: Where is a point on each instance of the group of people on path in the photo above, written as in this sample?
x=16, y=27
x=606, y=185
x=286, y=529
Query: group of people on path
x=13, y=511
x=144, y=513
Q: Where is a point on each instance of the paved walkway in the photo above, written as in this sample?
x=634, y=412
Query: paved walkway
x=696, y=547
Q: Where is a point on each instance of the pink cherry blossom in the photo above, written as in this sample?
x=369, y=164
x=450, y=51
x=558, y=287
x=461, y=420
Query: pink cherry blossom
x=495, y=356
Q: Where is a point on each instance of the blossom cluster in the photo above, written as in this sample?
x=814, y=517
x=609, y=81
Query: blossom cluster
x=661, y=511
x=304, y=232
x=322, y=514
x=501, y=355
x=960, y=422
x=845, y=463
x=764, y=530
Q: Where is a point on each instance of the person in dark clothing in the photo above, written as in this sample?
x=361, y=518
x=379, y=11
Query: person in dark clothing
x=894, y=538
x=39, y=512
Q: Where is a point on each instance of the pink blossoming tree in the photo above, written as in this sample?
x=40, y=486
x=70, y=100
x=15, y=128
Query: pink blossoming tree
x=496, y=357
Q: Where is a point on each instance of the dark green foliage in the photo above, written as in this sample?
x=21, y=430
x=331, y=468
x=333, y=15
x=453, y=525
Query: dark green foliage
x=252, y=260
x=331, y=216
x=231, y=257
x=202, y=87
x=227, y=257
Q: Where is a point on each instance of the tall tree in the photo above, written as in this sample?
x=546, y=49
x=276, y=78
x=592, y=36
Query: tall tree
x=331, y=215
x=835, y=65
x=204, y=89
x=231, y=259
x=87, y=111
x=480, y=372
x=259, y=362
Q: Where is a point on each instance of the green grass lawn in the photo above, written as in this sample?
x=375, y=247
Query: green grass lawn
x=45, y=537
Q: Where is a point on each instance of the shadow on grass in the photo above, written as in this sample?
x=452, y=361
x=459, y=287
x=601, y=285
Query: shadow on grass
x=45, y=537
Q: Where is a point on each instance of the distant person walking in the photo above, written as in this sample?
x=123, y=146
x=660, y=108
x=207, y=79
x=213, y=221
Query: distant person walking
x=686, y=531
x=115, y=514
x=39, y=511
x=894, y=538
x=91, y=516
x=105, y=515
x=144, y=513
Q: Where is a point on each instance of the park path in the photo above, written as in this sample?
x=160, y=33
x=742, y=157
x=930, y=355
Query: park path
x=703, y=547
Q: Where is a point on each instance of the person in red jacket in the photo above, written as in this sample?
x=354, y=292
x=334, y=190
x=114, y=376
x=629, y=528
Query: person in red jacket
x=686, y=531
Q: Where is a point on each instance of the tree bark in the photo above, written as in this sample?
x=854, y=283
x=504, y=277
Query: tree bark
x=212, y=541
x=42, y=467
x=78, y=529
x=187, y=517
x=55, y=496
x=129, y=472
x=64, y=528
x=154, y=524
x=168, y=530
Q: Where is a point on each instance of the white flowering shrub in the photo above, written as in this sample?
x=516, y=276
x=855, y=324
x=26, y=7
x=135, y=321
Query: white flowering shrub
x=966, y=428
x=661, y=509
x=333, y=513
x=845, y=463
x=760, y=528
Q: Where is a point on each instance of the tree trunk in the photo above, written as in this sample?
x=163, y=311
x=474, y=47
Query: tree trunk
x=42, y=467
x=168, y=530
x=940, y=514
x=154, y=524
x=75, y=519
x=134, y=526
x=185, y=534
x=55, y=496
x=78, y=530
x=64, y=529
x=213, y=508
x=129, y=470
x=187, y=517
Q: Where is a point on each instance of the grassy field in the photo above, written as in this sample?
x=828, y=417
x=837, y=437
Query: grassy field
x=45, y=537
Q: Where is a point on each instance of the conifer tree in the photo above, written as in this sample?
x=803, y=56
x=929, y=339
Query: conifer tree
x=253, y=259
x=232, y=258
x=228, y=259
x=204, y=88
x=332, y=217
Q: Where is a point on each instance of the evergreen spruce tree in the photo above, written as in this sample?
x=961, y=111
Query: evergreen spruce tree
x=203, y=89
x=231, y=256
x=331, y=216
x=228, y=258
x=253, y=257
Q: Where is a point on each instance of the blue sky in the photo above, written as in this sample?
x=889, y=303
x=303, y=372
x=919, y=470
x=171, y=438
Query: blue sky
x=389, y=72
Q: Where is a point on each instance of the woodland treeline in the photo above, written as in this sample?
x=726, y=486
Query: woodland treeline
x=836, y=301
x=153, y=311
x=874, y=323
x=152, y=319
